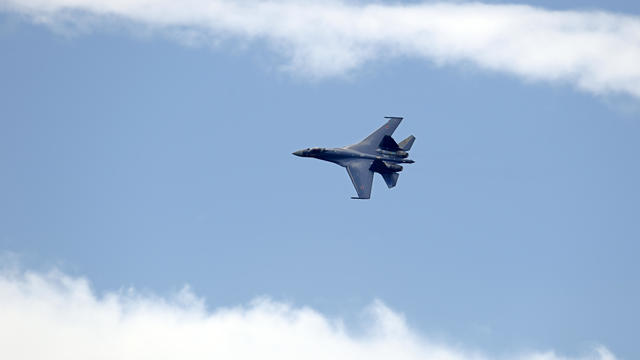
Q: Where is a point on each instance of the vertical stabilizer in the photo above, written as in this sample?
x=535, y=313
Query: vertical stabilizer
x=407, y=143
x=391, y=179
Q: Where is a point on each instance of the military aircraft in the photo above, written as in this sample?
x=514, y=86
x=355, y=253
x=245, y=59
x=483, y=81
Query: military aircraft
x=379, y=153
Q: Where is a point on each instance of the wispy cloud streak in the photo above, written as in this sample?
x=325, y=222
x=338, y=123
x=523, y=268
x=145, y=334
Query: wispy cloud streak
x=55, y=316
x=595, y=51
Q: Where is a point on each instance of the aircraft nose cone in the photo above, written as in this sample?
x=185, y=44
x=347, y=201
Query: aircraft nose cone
x=297, y=153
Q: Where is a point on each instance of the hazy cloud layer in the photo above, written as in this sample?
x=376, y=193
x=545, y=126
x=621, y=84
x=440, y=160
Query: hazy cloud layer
x=55, y=316
x=596, y=51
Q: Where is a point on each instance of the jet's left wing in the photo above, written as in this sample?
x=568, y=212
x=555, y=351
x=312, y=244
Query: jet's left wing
x=371, y=143
x=361, y=177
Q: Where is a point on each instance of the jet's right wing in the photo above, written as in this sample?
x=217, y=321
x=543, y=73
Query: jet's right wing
x=361, y=177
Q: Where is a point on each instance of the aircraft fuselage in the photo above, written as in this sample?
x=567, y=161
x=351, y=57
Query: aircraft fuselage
x=341, y=156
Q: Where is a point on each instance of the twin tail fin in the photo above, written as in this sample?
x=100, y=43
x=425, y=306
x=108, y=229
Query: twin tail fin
x=407, y=143
x=391, y=179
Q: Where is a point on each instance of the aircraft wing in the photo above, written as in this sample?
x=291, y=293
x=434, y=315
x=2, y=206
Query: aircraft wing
x=371, y=143
x=361, y=177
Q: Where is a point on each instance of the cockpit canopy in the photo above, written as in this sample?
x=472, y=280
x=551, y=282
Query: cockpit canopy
x=315, y=150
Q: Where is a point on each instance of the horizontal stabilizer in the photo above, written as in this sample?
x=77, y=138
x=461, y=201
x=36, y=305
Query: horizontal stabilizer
x=407, y=143
x=388, y=143
x=382, y=167
x=391, y=179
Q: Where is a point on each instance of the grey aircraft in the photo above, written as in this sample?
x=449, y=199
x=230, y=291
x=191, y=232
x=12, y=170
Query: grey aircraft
x=379, y=153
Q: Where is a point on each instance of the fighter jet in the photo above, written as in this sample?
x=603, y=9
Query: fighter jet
x=379, y=153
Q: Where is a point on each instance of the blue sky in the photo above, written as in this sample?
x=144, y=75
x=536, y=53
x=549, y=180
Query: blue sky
x=133, y=159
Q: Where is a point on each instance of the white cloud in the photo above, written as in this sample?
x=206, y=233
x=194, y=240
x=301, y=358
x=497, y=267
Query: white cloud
x=595, y=51
x=55, y=316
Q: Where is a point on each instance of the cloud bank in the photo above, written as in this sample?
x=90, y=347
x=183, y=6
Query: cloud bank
x=56, y=316
x=595, y=51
